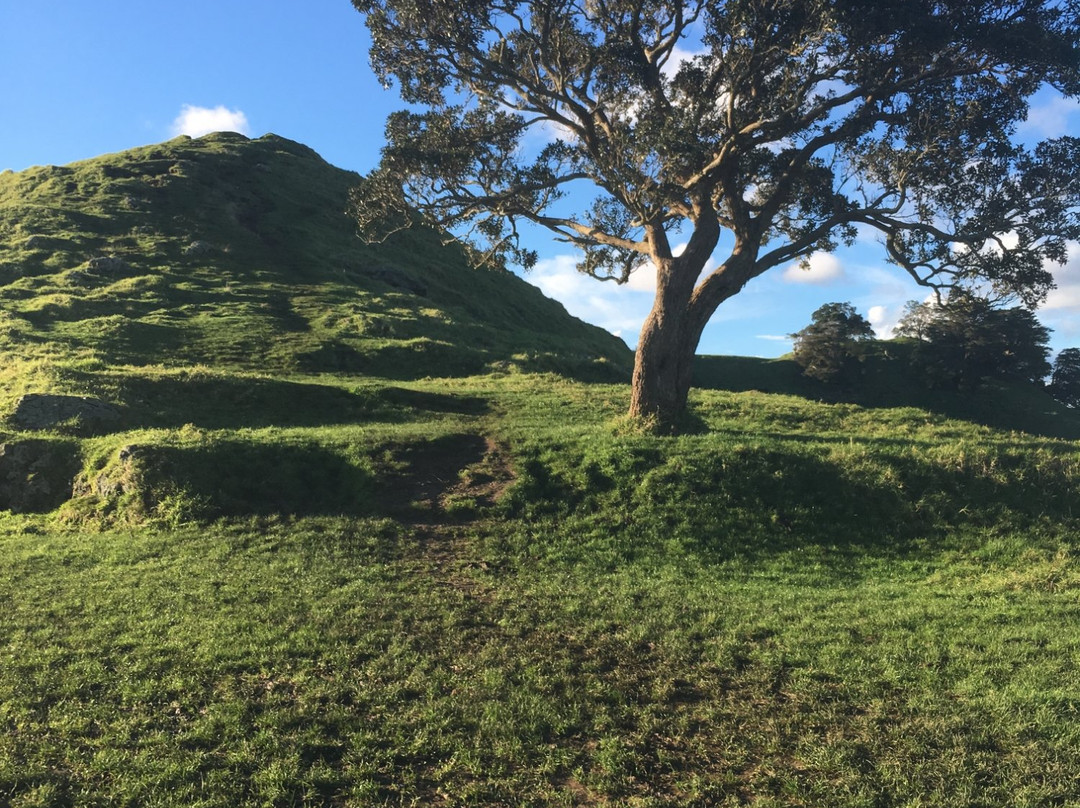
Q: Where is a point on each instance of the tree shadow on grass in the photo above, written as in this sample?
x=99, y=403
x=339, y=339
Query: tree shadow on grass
x=761, y=502
x=752, y=503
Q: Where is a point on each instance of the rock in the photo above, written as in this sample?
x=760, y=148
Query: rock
x=35, y=475
x=47, y=411
x=80, y=277
x=119, y=478
x=198, y=248
x=108, y=265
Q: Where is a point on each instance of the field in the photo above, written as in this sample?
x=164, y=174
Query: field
x=491, y=591
x=359, y=526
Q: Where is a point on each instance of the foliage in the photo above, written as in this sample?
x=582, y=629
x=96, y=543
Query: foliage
x=1065, y=383
x=788, y=124
x=966, y=340
x=828, y=348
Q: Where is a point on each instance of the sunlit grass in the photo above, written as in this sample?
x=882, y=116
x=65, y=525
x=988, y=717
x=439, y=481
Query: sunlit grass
x=782, y=609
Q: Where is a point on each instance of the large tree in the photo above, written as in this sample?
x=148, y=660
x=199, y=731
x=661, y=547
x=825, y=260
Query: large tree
x=829, y=347
x=755, y=132
x=965, y=339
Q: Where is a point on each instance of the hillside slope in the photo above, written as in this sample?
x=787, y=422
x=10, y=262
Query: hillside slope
x=229, y=251
x=888, y=381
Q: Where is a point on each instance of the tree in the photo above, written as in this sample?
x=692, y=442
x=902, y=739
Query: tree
x=966, y=339
x=1065, y=383
x=758, y=130
x=828, y=347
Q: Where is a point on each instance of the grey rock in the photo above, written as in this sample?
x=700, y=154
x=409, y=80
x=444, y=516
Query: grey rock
x=108, y=265
x=36, y=476
x=47, y=411
x=198, y=248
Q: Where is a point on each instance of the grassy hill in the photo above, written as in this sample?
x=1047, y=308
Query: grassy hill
x=887, y=381
x=241, y=568
x=236, y=251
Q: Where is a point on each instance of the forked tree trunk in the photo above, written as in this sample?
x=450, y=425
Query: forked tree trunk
x=663, y=367
x=664, y=363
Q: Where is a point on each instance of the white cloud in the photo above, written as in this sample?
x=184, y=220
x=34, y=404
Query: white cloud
x=197, y=121
x=643, y=279
x=1053, y=118
x=619, y=309
x=678, y=56
x=820, y=268
x=883, y=319
x=1067, y=294
x=773, y=337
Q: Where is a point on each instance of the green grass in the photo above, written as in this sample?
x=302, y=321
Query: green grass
x=349, y=544
x=802, y=604
x=229, y=251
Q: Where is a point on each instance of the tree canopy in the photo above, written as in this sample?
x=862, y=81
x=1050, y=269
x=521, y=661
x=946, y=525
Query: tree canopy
x=759, y=130
x=1065, y=383
x=828, y=347
x=966, y=339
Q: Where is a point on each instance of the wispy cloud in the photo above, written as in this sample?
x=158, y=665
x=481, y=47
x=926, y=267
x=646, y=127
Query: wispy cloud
x=619, y=309
x=1066, y=297
x=1056, y=117
x=197, y=121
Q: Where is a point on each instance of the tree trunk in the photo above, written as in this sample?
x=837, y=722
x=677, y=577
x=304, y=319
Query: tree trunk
x=663, y=367
x=664, y=363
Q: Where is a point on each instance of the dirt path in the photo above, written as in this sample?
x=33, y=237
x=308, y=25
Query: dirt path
x=440, y=491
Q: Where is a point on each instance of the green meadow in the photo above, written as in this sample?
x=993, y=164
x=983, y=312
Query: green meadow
x=320, y=555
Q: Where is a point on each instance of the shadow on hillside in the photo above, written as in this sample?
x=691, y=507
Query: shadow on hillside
x=757, y=502
x=225, y=402
x=234, y=478
x=763, y=502
x=887, y=384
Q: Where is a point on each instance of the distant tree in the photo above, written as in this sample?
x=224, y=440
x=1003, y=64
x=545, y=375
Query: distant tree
x=828, y=348
x=1065, y=384
x=773, y=128
x=966, y=339
x=915, y=322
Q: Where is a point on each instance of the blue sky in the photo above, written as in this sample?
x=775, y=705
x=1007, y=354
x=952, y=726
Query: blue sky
x=79, y=78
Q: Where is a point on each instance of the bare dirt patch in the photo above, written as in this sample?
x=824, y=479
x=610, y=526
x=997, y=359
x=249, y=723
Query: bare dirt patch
x=446, y=480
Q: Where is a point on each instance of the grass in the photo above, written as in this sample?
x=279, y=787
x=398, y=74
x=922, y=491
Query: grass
x=229, y=251
x=802, y=604
x=349, y=544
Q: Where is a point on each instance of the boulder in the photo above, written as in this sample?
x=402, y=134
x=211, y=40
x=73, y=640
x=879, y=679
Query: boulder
x=47, y=411
x=197, y=248
x=108, y=265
